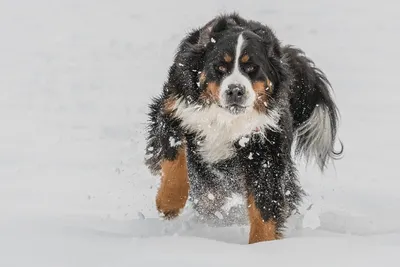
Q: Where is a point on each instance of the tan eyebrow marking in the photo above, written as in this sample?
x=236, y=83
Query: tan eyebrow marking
x=227, y=58
x=244, y=58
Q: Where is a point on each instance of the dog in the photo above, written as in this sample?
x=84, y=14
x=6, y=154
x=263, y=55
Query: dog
x=236, y=110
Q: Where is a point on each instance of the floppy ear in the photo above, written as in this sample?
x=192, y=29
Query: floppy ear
x=205, y=33
x=215, y=27
x=268, y=37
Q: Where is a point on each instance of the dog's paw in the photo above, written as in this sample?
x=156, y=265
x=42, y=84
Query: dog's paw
x=169, y=214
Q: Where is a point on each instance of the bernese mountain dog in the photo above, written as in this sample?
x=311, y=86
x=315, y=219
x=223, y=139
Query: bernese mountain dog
x=236, y=110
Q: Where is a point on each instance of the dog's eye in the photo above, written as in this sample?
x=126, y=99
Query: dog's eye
x=250, y=69
x=221, y=69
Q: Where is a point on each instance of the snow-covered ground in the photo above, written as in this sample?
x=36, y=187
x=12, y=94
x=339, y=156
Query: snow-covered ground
x=75, y=80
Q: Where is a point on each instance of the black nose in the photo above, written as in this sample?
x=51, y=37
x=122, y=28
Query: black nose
x=235, y=94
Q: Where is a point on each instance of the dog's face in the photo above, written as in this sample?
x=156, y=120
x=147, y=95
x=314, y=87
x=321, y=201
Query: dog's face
x=227, y=80
x=236, y=72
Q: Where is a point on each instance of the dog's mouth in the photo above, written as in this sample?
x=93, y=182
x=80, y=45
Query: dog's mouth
x=236, y=109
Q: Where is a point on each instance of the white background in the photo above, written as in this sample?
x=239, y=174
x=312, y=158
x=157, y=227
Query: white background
x=75, y=81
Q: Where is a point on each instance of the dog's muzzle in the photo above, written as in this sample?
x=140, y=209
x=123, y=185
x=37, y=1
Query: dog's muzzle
x=235, y=98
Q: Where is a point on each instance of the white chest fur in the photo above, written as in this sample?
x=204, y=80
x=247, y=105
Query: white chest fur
x=219, y=128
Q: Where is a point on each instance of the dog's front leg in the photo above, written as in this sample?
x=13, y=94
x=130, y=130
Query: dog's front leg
x=166, y=155
x=174, y=188
x=266, y=169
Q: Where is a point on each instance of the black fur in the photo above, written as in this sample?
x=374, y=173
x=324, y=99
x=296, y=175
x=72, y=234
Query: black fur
x=264, y=167
x=309, y=88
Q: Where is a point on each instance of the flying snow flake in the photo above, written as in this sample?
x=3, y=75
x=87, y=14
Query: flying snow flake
x=173, y=142
x=194, y=70
x=219, y=215
x=234, y=201
x=287, y=193
x=264, y=165
x=210, y=196
x=198, y=84
x=148, y=156
x=180, y=64
x=150, y=148
x=251, y=155
x=213, y=40
x=243, y=141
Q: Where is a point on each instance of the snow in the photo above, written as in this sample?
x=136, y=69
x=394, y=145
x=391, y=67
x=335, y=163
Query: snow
x=235, y=200
x=243, y=141
x=76, y=78
x=173, y=142
x=219, y=215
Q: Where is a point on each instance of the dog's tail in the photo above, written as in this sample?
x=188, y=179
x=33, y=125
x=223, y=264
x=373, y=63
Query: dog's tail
x=315, y=113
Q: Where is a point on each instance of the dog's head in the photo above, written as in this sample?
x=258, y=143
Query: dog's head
x=239, y=65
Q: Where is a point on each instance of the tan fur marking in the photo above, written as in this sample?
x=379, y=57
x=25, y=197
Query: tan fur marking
x=227, y=58
x=260, y=103
x=169, y=105
x=244, y=58
x=259, y=229
x=211, y=93
x=174, y=189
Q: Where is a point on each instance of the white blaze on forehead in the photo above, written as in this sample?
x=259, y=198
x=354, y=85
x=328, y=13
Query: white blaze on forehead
x=239, y=47
x=237, y=77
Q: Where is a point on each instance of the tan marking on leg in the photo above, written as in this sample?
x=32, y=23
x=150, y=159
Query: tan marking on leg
x=245, y=58
x=227, y=58
x=259, y=229
x=261, y=102
x=211, y=93
x=169, y=105
x=174, y=189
